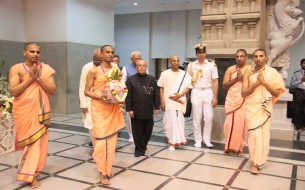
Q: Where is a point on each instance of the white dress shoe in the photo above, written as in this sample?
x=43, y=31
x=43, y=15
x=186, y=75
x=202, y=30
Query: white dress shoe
x=197, y=145
x=208, y=144
x=171, y=148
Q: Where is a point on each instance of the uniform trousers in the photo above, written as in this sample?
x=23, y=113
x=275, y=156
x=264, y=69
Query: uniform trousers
x=141, y=130
x=299, y=109
x=202, y=108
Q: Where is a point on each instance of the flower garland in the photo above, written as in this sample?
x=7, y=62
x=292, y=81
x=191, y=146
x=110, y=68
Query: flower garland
x=5, y=107
x=115, y=76
x=6, y=99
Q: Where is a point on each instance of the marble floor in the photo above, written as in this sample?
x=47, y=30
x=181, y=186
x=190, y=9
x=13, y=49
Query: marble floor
x=71, y=167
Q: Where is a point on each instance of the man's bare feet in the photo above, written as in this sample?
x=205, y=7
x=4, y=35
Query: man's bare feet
x=254, y=170
x=105, y=180
x=241, y=154
x=111, y=175
x=35, y=183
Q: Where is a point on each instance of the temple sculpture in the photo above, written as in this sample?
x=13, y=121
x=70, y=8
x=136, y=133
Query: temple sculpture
x=286, y=28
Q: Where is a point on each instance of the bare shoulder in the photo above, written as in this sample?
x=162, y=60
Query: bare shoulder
x=93, y=71
x=231, y=69
x=15, y=68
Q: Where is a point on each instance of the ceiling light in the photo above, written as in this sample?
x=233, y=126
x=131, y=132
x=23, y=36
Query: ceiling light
x=135, y=4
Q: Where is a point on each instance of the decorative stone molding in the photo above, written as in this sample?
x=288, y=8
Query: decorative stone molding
x=227, y=25
x=213, y=19
x=245, y=17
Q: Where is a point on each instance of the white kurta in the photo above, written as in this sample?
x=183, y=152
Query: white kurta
x=85, y=102
x=173, y=120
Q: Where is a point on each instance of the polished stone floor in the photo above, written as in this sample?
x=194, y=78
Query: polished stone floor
x=71, y=167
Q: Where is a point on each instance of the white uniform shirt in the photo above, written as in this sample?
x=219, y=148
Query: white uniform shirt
x=209, y=71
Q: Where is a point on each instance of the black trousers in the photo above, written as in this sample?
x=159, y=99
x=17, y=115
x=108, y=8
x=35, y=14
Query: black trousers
x=299, y=109
x=141, y=131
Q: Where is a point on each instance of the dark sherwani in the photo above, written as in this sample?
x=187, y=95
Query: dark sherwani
x=143, y=98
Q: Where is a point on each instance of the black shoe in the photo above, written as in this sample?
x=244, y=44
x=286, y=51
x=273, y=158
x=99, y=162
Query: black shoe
x=90, y=144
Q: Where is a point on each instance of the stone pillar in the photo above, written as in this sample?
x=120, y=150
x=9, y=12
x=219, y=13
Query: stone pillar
x=208, y=4
x=251, y=26
x=238, y=27
x=220, y=5
x=219, y=28
x=252, y=5
x=207, y=29
x=239, y=5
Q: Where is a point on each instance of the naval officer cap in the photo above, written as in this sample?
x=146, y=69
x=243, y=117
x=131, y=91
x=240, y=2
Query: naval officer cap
x=200, y=48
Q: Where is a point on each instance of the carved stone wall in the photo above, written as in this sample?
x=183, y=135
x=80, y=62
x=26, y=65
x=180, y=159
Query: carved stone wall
x=228, y=25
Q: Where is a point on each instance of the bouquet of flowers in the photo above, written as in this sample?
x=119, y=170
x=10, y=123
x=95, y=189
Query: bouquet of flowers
x=5, y=99
x=116, y=89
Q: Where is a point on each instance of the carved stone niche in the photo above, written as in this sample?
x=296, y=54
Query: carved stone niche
x=213, y=25
x=210, y=7
x=245, y=37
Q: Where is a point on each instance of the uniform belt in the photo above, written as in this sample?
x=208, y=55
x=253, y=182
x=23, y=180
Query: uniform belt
x=202, y=88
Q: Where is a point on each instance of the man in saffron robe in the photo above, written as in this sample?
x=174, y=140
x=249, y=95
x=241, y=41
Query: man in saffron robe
x=234, y=125
x=174, y=85
x=31, y=83
x=107, y=117
x=261, y=88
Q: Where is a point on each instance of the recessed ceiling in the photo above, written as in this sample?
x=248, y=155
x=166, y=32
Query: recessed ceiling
x=128, y=7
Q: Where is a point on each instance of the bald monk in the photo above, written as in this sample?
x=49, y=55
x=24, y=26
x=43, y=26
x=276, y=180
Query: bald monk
x=234, y=125
x=31, y=83
x=107, y=117
x=261, y=88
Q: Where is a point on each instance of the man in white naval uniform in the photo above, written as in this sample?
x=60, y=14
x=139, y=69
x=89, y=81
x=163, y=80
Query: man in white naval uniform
x=85, y=102
x=204, y=95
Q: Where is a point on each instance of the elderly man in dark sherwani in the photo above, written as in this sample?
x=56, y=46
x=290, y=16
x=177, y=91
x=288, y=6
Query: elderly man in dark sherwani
x=142, y=103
